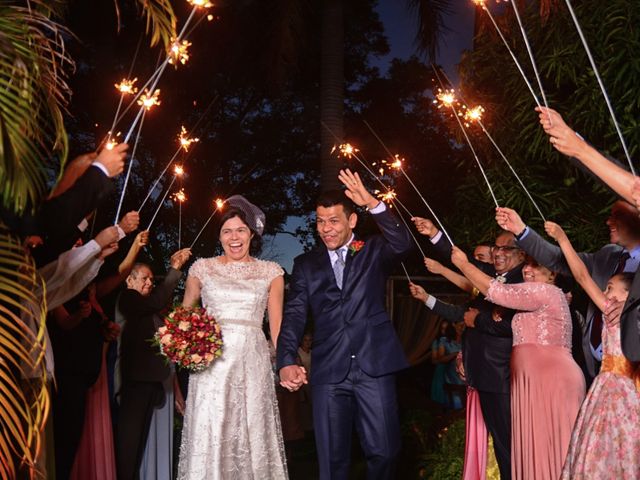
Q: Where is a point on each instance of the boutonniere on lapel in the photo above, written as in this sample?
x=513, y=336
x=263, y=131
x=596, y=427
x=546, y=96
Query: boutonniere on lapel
x=355, y=247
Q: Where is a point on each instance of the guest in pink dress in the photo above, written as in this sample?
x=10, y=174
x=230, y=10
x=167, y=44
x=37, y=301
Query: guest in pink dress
x=547, y=386
x=606, y=438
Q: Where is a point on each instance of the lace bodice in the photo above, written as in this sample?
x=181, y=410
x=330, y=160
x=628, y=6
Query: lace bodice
x=544, y=316
x=235, y=292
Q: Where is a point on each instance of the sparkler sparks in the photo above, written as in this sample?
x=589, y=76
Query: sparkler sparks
x=180, y=196
x=185, y=142
x=148, y=100
x=472, y=115
x=388, y=197
x=446, y=98
x=219, y=203
x=178, y=170
x=200, y=3
x=345, y=150
x=178, y=51
x=127, y=87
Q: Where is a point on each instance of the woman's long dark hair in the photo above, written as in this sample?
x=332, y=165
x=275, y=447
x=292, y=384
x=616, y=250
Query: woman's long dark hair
x=255, y=247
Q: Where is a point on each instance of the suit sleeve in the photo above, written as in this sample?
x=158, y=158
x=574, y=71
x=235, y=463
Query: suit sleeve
x=448, y=311
x=550, y=255
x=630, y=322
x=395, y=233
x=294, y=318
x=133, y=304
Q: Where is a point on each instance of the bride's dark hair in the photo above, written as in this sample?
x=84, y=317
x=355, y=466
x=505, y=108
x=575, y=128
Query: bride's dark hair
x=255, y=247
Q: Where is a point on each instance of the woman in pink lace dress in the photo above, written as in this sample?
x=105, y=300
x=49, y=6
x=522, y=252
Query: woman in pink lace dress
x=547, y=386
x=606, y=439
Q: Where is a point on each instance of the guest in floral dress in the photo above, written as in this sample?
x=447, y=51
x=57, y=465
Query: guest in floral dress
x=547, y=386
x=606, y=438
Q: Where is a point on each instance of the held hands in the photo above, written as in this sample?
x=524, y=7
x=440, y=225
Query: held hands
x=107, y=236
x=561, y=136
x=179, y=258
x=142, y=239
x=418, y=292
x=470, y=317
x=292, y=377
x=425, y=226
x=509, y=220
x=356, y=190
x=555, y=231
x=458, y=257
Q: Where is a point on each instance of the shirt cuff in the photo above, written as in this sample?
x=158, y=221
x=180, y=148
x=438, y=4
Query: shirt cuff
x=101, y=167
x=436, y=238
x=121, y=233
x=82, y=226
x=524, y=233
x=430, y=302
x=379, y=208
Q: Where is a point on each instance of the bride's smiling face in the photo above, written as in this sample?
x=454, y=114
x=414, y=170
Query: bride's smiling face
x=235, y=237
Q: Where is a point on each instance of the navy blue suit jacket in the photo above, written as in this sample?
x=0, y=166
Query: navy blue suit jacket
x=351, y=321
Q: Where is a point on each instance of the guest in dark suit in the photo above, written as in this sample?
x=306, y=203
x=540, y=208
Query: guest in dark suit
x=625, y=184
x=355, y=349
x=621, y=255
x=487, y=340
x=142, y=368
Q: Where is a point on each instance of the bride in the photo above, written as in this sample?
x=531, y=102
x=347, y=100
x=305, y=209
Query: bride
x=231, y=423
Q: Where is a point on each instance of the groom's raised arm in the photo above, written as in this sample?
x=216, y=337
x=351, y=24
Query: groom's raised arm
x=398, y=238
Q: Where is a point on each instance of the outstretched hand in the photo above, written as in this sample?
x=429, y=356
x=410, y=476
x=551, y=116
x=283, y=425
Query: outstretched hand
x=555, y=231
x=509, y=220
x=563, y=138
x=292, y=377
x=425, y=226
x=418, y=292
x=458, y=257
x=356, y=191
x=433, y=266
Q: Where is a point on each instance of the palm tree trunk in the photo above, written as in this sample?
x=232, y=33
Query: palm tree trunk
x=331, y=91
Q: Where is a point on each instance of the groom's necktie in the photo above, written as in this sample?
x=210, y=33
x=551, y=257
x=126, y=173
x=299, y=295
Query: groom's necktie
x=338, y=267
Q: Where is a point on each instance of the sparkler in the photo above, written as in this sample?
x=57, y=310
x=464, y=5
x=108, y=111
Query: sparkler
x=180, y=197
x=530, y=52
x=178, y=171
x=405, y=271
x=447, y=97
x=178, y=53
x=183, y=144
x=482, y=4
x=601, y=84
x=474, y=115
x=146, y=101
x=396, y=163
x=126, y=178
x=125, y=87
x=219, y=203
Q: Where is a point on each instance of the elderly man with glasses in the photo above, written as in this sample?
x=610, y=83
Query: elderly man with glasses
x=487, y=341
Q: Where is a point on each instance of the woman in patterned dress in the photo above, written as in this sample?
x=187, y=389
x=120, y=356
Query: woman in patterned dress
x=606, y=438
x=231, y=424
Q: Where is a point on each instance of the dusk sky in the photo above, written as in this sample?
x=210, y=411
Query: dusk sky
x=400, y=28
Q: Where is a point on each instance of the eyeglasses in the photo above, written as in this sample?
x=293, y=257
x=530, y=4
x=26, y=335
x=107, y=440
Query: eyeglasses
x=503, y=248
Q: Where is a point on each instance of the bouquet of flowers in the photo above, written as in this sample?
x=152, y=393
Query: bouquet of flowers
x=190, y=338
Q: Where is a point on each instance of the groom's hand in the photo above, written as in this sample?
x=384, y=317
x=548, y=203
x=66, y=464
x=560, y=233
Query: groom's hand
x=292, y=377
x=356, y=191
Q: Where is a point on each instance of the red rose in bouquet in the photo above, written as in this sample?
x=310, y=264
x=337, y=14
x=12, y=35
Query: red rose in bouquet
x=190, y=338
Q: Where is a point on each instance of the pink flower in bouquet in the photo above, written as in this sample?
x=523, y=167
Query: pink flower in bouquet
x=196, y=358
x=184, y=326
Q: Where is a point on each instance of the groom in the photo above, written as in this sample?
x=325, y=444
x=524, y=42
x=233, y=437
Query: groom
x=355, y=348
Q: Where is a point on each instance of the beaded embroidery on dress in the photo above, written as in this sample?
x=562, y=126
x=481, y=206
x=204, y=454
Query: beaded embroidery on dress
x=232, y=425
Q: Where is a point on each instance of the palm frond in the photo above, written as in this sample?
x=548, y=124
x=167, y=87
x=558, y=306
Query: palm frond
x=24, y=399
x=430, y=16
x=161, y=21
x=33, y=96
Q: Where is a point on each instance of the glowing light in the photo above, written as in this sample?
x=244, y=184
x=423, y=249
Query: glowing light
x=148, y=100
x=178, y=170
x=479, y=3
x=110, y=144
x=200, y=3
x=185, y=142
x=445, y=97
x=388, y=196
x=178, y=52
x=219, y=203
x=126, y=87
x=346, y=150
x=180, y=196
x=473, y=114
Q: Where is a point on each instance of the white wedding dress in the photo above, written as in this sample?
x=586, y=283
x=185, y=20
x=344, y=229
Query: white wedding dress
x=231, y=424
